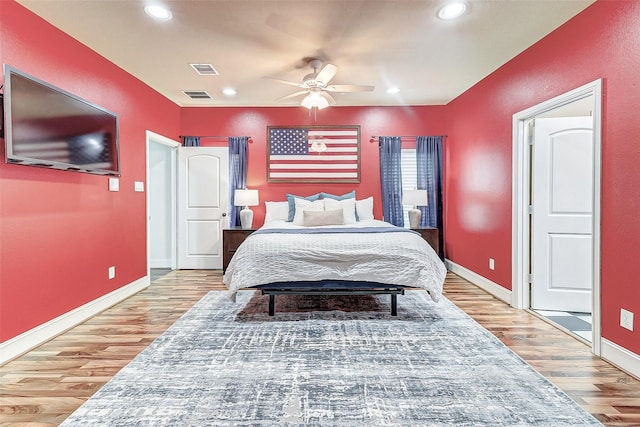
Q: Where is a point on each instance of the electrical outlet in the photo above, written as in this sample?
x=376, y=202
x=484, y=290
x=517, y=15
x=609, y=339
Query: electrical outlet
x=626, y=319
x=112, y=272
x=492, y=264
x=138, y=186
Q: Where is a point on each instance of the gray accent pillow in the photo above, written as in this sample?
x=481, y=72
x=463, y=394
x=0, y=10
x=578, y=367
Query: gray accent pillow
x=317, y=218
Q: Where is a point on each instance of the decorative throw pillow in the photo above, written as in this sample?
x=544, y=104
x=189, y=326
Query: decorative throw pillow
x=302, y=205
x=349, y=195
x=276, y=211
x=292, y=207
x=317, y=218
x=364, y=208
x=348, y=207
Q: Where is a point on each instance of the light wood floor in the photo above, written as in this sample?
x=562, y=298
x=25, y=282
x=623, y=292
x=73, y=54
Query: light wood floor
x=44, y=386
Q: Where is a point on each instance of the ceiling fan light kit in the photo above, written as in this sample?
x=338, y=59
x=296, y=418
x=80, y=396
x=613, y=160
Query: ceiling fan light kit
x=315, y=86
x=314, y=99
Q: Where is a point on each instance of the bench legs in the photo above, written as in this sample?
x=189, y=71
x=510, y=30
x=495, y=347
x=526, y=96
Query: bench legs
x=272, y=304
x=394, y=304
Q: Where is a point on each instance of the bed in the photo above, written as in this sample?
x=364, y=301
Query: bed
x=355, y=256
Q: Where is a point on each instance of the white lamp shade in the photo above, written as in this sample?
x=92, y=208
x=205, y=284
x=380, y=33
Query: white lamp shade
x=415, y=197
x=245, y=198
x=315, y=99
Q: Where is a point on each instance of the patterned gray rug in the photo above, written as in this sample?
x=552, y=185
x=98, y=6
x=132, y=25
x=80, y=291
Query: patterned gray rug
x=328, y=361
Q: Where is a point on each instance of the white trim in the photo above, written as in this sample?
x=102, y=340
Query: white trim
x=481, y=282
x=520, y=199
x=32, y=338
x=621, y=357
x=596, y=311
x=520, y=203
x=157, y=138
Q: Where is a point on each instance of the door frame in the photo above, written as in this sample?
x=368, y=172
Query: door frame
x=521, y=184
x=152, y=137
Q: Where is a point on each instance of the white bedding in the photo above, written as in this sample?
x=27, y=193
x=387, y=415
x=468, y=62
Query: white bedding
x=397, y=258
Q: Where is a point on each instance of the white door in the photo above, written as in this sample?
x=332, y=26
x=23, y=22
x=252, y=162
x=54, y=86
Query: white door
x=562, y=226
x=203, y=181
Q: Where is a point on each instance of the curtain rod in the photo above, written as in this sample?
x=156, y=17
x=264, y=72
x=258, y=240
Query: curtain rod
x=374, y=137
x=214, y=137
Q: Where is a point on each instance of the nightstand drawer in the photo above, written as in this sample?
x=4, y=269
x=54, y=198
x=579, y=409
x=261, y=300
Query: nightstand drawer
x=232, y=238
x=235, y=239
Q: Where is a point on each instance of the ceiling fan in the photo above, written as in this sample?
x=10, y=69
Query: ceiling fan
x=316, y=86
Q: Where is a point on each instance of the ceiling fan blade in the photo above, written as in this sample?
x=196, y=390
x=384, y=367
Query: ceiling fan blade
x=293, y=95
x=287, y=82
x=349, y=88
x=326, y=74
x=328, y=98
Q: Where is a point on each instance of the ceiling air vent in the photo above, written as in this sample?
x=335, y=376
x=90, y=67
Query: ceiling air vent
x=204, y=69
x=197, y=94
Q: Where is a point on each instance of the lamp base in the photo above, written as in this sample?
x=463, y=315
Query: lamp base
x=414, y=218
x=246, y=218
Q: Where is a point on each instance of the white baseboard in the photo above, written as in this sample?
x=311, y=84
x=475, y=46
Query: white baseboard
x=32, y=338
x=621, y=357
x=481, y=282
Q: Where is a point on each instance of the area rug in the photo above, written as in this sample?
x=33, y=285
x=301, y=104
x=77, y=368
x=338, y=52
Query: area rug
x=328, y=361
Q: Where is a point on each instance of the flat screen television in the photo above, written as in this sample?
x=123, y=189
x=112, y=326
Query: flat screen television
x=48, y=127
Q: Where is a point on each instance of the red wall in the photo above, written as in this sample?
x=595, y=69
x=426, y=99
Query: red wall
x=601, y=42
x=253, y=122
x=60, y=231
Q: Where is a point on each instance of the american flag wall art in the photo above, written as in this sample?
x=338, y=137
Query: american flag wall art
x=292, y=154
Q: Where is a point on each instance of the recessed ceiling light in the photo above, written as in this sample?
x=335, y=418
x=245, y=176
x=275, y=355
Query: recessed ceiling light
x=157, y=11
x=229, y=91
x=393, y=89
x=452, y=10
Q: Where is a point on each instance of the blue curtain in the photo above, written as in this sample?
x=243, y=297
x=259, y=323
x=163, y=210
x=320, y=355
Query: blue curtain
x=391, y=179
x=191, y=141
x=429, y=169
x=238, y=160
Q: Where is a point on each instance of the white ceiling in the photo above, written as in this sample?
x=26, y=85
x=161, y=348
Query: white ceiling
x=381, y=43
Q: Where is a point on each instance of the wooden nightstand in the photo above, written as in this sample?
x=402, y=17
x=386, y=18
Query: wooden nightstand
x=231, y=239
x=430, y=234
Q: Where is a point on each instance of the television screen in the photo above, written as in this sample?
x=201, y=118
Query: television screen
x=49, y=127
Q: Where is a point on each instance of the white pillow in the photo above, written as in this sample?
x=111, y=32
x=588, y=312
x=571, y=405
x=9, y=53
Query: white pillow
x=364, y=208
x=348, y=207
x=276, y=211
x=317, y=218
x=302, y=204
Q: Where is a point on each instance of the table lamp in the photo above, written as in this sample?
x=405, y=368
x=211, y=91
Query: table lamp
x=414, y=198
x=246, y=198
